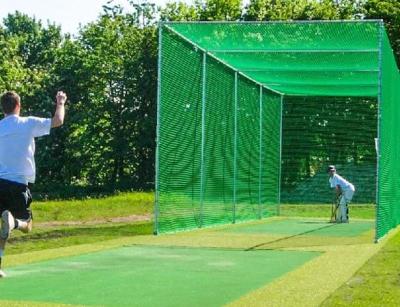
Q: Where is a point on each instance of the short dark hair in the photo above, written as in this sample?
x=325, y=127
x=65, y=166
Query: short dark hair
x=9, y=101
x=331, y=168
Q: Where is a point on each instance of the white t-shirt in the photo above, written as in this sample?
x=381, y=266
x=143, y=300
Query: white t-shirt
x=17, y=146
x=337, y=180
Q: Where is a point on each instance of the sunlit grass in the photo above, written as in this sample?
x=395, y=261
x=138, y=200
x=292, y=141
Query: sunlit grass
x=377, y=283
x=124, y=204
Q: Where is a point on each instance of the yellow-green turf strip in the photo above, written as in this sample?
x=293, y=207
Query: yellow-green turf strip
x=312, y=283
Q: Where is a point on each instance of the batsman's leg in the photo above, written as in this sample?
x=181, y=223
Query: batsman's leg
x=341, y=211
x=333, y=211
x=348, y=196
x=2, y=247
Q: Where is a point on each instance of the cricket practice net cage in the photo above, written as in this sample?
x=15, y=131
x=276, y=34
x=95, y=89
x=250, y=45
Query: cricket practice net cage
x=251, y=113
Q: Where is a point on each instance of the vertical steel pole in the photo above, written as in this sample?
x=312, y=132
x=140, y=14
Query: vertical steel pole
x=378, y=154
x=260, y=157
x=203, y=118
x=157, y=162
x=280, y=157
x=235, y=145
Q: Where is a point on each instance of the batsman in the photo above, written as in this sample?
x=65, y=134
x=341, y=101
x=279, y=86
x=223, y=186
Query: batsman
x=344, y=193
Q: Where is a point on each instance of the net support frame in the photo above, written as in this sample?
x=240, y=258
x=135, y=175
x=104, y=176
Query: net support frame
x=378, y=154
x=273, y=21
x=235, y=97
x=325, y=69
x=208, y=53
x=280, y=156
x=203, y=129
x=293, y=50
x=157, y=157
x=260, y=154
x=237, y=73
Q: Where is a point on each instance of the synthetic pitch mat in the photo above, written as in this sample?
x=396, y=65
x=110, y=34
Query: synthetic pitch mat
x=314, y=227
x=150, y=276
x=271, y=262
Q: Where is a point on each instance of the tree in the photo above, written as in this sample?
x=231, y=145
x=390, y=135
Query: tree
x=389, y=11
x=111, y=68
x=179, y=11
x=27, y=66
x=209, y=10
x=302, y=9
x=220, y=10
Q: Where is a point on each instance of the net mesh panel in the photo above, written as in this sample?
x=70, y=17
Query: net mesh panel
x=190, y=194
x=270, y=153
x=388, y=213
x=248, y=151
x=218, y=153
x=179, y=143
x=319, y=131
x=329, y=75
x=318, y=59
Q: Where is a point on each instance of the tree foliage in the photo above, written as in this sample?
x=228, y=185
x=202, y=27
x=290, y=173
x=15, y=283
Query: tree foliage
x=389, y=11
x=302, y=9
x=109, y=71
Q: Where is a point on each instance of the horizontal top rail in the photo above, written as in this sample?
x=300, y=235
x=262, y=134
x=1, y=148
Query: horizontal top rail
x=294, y=50
x=274, y=21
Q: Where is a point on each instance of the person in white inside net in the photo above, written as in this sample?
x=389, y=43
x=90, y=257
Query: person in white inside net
x=344, y=193
x=17, y=162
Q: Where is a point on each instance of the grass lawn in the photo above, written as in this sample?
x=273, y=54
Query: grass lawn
x=377, y=283
x=68, y=223
x=124, y=204
x=71, y=223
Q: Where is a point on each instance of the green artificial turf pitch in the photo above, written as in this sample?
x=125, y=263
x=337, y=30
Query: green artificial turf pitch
x=150, y=276
x=292, y=227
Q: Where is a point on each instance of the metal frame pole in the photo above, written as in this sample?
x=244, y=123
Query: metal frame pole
x=157, y=162
x=235, y=145
x=280, y=158
x=378, y=155
x=274, y=21
x=260, y=157
x=203, y=118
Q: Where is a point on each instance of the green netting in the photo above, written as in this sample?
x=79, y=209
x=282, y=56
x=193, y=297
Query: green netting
x=179, y=136
x=388, y=213
x=250, y=114
x=306, y=58
x=219, y=146
x=248, y=151
x=212, y=129
x=270, y=153
x=318, y=131
x=282, y=36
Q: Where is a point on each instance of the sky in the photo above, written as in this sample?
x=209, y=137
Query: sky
x=67, y=13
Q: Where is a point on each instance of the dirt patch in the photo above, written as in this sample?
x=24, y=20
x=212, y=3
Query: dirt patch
x=122, y=219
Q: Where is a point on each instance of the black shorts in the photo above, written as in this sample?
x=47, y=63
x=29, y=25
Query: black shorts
x=16, y=198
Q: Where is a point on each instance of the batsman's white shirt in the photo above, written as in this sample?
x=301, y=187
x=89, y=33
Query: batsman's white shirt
x=337, y=180
x=17, y=146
